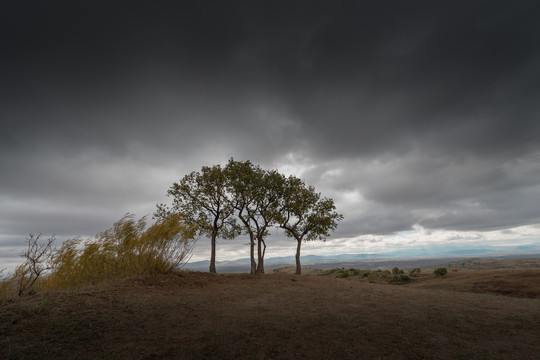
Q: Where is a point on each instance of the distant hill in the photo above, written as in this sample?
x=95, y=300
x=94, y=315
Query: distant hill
x=401, y=259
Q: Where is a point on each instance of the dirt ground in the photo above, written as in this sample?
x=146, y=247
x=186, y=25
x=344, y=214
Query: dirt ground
x=274, y=316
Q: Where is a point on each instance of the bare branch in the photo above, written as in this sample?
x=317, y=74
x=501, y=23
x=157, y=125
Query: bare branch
x=37, y=260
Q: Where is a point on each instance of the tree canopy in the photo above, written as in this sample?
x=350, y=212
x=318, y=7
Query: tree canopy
x=204, y=198
x=305, y=216
x=243, y=198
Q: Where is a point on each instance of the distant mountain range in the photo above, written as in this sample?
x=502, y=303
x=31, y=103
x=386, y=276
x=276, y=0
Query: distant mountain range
x=409, y=257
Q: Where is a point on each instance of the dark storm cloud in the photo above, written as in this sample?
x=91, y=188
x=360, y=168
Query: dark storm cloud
x=467, y=81
x=414, y=112
x=355, y=76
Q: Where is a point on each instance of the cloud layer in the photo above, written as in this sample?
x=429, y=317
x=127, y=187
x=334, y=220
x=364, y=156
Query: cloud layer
x=405, y=113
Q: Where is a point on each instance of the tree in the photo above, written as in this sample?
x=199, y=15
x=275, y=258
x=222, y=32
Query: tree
x=37, y=260
x=306, y=216
x=257, y=197
x=268, y=194
x=242, y=200
x=204, y=199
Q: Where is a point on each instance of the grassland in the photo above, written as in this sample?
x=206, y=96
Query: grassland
x=483, y=314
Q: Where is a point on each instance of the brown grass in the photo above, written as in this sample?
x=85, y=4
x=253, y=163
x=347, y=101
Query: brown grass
x=523, y=283
x=274, y=316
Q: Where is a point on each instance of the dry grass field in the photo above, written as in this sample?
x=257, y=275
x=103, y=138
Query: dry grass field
x=484, y=314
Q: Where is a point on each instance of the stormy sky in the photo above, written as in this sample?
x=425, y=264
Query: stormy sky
x=418, y=117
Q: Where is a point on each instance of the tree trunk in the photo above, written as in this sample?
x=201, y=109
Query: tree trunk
x=298, y=266
x=213, y=254
x=252, y=255
x=261, y=249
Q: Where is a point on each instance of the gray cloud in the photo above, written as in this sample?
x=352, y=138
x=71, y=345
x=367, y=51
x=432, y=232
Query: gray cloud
x=405, y=113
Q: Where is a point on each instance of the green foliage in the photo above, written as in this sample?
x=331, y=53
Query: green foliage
x=204, y=200
x=400, y=279
x=376, y=274
x=354, y=272
x=128, y=249
x=396, y=277
x=259, y=199
x=440, y=272
x=342, y=272
x=414, y=272
x=257, y=196
x=305, y=215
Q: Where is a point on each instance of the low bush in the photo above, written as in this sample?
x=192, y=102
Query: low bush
x=440, y=272
x=342, y=272
x=414, y=272
x=400, y=279
x=373, y=276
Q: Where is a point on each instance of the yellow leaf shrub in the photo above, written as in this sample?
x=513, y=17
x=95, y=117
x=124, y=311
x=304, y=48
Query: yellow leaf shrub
x=128, y=249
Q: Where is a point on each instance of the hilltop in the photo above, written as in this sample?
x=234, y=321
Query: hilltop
x=194, y=315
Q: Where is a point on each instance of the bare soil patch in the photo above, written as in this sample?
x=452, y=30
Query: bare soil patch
x=273, y=316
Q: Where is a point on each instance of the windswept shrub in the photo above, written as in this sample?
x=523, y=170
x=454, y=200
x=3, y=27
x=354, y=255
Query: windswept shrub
x=414, y=272
x=4, y=283
x=440, y=272
x=126, y=250
x=397, y=271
